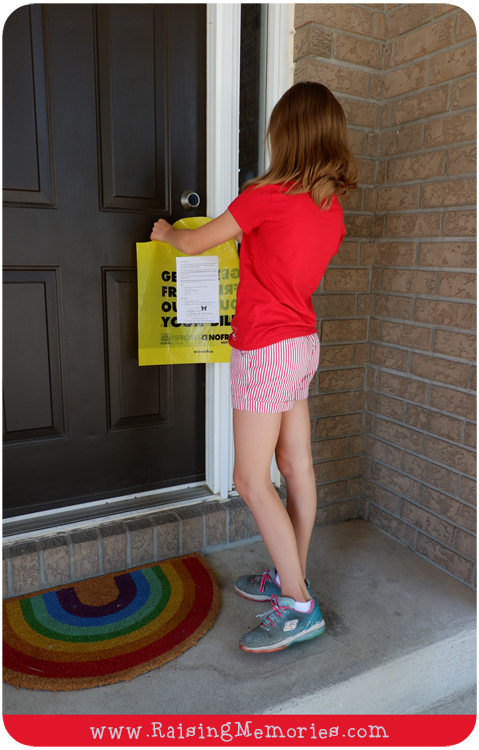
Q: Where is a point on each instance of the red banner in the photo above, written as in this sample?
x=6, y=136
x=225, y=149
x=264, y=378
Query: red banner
x=240, y=731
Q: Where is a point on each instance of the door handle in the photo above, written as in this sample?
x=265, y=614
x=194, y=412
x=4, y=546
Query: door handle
x=190, y=200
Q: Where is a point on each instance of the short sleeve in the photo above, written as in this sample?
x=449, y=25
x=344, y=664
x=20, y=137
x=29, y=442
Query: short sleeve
x=250, y=208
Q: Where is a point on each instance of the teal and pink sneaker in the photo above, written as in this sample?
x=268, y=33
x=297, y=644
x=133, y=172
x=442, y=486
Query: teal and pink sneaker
x=282, y=626
x=259, y=588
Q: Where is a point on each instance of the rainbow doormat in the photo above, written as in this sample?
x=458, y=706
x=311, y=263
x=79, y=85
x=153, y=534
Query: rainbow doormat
x=108, y=629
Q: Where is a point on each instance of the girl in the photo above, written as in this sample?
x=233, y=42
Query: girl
x=290, y=223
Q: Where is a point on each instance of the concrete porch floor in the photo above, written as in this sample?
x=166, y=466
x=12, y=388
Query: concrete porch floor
x=400, y=639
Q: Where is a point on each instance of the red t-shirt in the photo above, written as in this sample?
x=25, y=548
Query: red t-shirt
x=287, y=244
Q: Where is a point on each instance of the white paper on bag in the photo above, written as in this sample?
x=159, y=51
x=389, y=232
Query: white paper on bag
x=197, y=290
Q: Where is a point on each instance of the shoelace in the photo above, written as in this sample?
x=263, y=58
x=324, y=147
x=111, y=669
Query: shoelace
x=273, y=614
x=264, y=580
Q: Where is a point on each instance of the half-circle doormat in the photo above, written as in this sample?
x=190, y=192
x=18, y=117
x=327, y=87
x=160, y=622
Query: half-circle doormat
x=110, y=628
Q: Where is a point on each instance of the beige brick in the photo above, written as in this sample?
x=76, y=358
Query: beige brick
x=326, y=450
x=388, y=306
x=388, y=407
x=85, y=554
x=358, y=51
x=336, y=77
x=391, y=525
x=445, y=558
x=336, y=512
x=402, y=139
x=25, y=561
x=358, y=401
x=395, y=254
x=404, y=19
x=376, y=85
x=167, y=536
x=431, y=473
x=440, y=370
x=365, y=304
x=459, y=223
x=449, y=193
x=453, y=63
x=379, y=26
x=358, y=225
x=466, y=544
x=56, y=561
x=238, y=520
x=396, y=481
x=427, y=522
x=414, y=225
x=398, y=435
x=215, y=524
x=336, y=356
x=452, y=129
x=453, y=510
x=340, y=469
x=346, y=280
x=353, y=201
x=468, y=490
x=453, y=402
x=451, y=314
x=423, y=41
x=402, y=387
x=337, y=16
x=311, y=40
x=411, y=282
x=388, y=356
x=398, y=198
x=141, y=541
x=425, y=104
x=384, y=452
x=191, y=530
x=331, y=492
x=470, y=435
x=433, y=421
x=339, y=380
x=418, y=167
x=330, y=305
x=367, y=168
x=404, y=80
x=358, y=140
x=452, y=254
x=113, y=541
x=464, y=93
x=354, y=329
x=473, y=383
x=347, y=254
x=454, y=344
x=380, y=496
x=347, y=424
x=461, y=285
x=461, y=160
x=411, y=336
x=360, y=113
x=465, y=26
x=337, y=403
x=454, y=456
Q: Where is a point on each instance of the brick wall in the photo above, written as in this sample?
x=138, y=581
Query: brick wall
x=393, y=409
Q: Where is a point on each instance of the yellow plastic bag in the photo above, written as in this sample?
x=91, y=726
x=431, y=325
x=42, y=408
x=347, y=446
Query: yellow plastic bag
x=161, y=339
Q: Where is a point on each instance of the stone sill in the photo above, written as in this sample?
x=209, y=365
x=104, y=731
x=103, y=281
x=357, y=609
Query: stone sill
x=62, y=558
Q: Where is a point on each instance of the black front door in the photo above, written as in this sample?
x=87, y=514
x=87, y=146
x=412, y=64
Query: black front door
x=104, y=128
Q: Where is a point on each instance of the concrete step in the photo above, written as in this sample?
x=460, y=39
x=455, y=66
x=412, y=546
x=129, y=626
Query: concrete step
x=400, y=639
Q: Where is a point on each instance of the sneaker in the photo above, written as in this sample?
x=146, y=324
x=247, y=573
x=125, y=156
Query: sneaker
x=283, y=626
x=260, y=588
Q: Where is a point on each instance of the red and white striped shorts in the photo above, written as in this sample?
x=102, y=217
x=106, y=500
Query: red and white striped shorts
x=271, y=379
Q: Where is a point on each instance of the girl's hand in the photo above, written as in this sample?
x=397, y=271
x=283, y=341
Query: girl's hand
x=161, y=230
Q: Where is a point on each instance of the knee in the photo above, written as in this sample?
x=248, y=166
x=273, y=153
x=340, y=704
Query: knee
x=292, y=467
x=248, y=486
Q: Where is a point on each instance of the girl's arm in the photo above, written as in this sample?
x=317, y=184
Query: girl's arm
x=196, y=241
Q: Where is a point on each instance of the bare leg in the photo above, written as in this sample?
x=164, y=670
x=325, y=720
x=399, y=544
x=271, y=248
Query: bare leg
x=293, y=456
x=255, y=437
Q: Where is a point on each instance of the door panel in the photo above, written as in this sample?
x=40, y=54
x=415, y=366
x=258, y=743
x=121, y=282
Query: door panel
x=105, y=117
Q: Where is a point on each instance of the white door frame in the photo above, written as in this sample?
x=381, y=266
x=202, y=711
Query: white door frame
x=223, y=76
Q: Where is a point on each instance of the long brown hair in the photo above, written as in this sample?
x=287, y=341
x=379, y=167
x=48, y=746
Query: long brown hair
x=309, y=145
